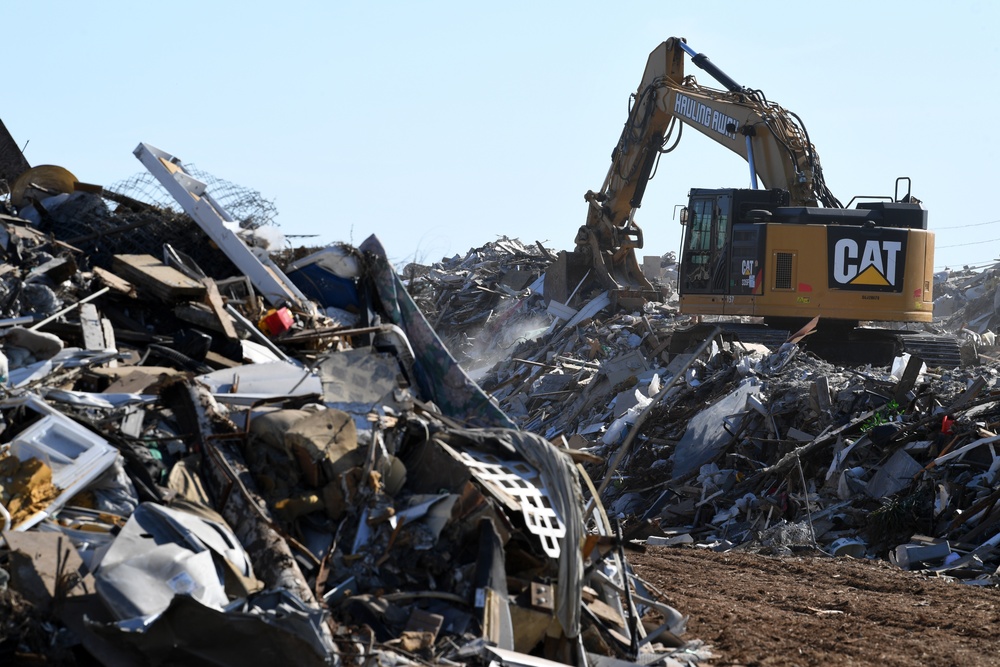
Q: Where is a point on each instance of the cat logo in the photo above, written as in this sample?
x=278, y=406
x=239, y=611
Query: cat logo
x=870, y=260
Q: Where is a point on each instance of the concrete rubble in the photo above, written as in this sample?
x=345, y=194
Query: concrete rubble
x=226, y=452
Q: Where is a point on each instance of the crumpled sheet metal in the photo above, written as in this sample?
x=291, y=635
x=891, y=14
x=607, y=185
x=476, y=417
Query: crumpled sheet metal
x=438, y=375
x=162, y=552
x=706, y=435
x=270, y=628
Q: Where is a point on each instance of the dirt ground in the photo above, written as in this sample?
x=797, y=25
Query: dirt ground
x=766, y=611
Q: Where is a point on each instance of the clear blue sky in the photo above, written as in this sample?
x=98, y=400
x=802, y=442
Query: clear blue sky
x=440, y=126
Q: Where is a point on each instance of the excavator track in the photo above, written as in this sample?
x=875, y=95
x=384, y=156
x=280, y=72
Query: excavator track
x=878, y=347
x=855, y=347
x=936, y=350
x=681, y=340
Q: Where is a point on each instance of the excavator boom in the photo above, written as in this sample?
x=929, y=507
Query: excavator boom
x=784, y=249
x=772, y=140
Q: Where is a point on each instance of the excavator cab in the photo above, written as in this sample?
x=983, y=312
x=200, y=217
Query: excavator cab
x=706, y=245
x=722, y=245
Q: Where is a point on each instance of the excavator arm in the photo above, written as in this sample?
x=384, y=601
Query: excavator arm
x=772, y=140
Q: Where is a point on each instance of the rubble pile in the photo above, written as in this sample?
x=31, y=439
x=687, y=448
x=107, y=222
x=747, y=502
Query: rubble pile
x=483, y=304
x=208, y=459
x=740, y=446
x=967, y=301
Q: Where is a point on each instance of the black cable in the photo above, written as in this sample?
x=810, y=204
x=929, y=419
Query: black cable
x=670, y=130
x=633, y=131
x=662, y=151
x=822, y=191
x=770, y=119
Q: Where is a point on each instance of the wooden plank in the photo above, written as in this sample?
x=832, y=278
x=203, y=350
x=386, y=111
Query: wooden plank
x=109, y=339
x=606, y=612
x=116, y=283
x=90, y=328
x=217, y=361
x=214, y=301
x=156, y=277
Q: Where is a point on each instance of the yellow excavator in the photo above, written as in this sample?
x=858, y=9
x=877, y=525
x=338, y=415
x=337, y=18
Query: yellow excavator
x=785, y=249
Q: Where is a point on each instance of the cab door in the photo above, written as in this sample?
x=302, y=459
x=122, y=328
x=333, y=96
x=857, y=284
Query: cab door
x=704, y=263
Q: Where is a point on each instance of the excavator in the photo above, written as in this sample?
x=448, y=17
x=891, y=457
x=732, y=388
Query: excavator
x=784, y=249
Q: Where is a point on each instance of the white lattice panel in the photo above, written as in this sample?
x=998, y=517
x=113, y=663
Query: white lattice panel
x=520, y=480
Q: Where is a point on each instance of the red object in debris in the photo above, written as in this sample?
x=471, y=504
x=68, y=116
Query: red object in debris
x=946, y=424
x=276, y=322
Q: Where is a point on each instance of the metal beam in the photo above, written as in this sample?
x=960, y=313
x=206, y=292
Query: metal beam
x=215, y=221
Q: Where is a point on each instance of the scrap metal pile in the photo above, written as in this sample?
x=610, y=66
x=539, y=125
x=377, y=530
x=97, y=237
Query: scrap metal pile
x=210, y=459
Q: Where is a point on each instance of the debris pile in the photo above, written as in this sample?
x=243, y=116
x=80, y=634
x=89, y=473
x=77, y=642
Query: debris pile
x=210, y=459
x=485, y=303
x=743, y=446
x=968, y=302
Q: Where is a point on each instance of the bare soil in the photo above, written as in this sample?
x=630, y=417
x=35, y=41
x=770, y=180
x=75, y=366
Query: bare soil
x=765, y=611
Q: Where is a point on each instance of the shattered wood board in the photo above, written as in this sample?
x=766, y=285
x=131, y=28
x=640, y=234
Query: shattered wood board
x=156, y=277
